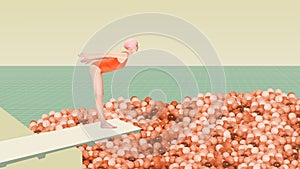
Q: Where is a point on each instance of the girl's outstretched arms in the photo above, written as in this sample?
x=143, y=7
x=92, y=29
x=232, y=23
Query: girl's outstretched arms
x=89, y=57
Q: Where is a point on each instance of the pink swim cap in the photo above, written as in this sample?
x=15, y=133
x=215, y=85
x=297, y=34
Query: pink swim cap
x=130, y=44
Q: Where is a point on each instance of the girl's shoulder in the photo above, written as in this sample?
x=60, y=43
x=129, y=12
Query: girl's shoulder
x=124, y=51
x=123, y=59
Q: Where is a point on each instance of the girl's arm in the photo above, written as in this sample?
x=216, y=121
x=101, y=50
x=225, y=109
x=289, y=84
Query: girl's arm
x=88, y=57
x=97, y=56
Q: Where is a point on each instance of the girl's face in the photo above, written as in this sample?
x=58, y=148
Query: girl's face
x=135, y=49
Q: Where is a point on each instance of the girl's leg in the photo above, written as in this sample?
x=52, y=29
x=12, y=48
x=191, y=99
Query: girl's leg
x=98, y=91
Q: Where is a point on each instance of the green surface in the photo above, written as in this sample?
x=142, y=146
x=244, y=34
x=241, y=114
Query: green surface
x=29, y=91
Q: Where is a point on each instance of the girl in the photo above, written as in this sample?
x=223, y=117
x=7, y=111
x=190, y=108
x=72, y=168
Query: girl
x=103, y=63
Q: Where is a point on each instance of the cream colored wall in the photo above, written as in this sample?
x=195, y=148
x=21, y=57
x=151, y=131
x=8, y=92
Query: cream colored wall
x=244, y=33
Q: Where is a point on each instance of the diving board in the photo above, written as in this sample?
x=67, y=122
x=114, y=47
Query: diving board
x=38, y=145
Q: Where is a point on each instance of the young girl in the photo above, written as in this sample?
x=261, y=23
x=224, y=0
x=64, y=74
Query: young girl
x=106, y=63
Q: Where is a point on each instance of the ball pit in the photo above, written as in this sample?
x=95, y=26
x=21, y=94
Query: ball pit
x=259, y=129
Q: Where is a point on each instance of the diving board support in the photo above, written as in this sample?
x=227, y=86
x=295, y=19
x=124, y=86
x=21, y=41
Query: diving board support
x=38, y=145
x=41, y=156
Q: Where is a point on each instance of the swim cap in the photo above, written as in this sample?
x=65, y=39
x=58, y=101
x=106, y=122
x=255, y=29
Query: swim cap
x=130, y=43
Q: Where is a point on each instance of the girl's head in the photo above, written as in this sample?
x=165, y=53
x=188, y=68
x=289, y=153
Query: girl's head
x=131, y=45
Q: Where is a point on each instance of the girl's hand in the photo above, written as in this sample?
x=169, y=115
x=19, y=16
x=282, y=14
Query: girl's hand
x=86, y=60
x=83, y=55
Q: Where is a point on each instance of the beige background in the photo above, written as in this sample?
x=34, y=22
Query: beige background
x=244, y=33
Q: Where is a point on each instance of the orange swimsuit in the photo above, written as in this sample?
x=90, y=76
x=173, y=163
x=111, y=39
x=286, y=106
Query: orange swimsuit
x=108, y=64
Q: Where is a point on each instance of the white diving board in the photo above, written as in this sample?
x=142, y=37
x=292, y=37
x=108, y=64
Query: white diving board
x=38, y=145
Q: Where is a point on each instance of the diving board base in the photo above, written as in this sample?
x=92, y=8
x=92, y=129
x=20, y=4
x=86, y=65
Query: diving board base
x=38, y=145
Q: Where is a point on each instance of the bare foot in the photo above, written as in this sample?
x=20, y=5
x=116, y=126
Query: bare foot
x=107, y=125
x=82, y=116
